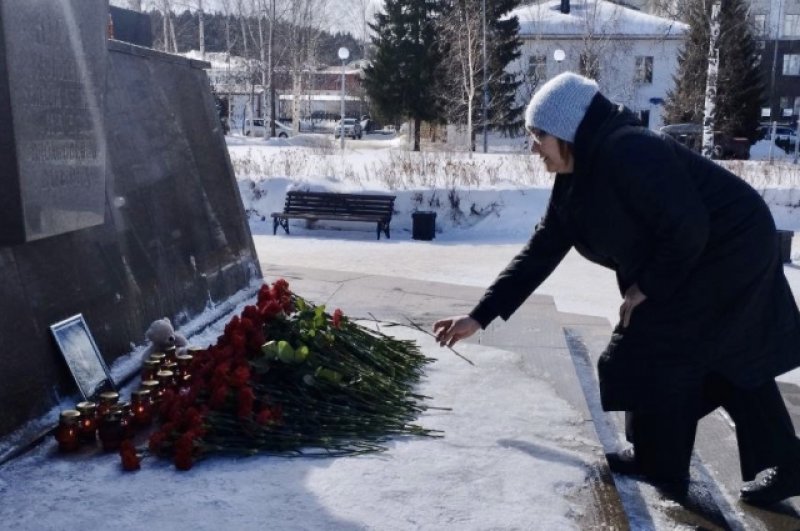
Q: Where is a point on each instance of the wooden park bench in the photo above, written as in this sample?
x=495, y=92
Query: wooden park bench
x=313, y=206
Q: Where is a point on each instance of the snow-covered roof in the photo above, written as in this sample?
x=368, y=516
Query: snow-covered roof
x=593, y=17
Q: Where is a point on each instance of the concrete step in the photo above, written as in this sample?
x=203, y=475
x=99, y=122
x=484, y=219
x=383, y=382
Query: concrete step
x=713, y=497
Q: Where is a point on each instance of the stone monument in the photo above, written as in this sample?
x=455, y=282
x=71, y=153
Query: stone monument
x=119, y=200
x=53, y=152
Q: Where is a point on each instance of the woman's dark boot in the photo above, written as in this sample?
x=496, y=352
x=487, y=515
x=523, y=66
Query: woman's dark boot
x=774, y=485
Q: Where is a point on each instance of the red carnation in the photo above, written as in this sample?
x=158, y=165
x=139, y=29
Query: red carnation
x=264, y=416
x=337, y=317
x=251, y=313
x=254, y=343
x=240, y=376
x=183, y=461
x=270, y=310
x=156, y=441
x=192, y=419
x=130, y=460
x=245, y=404
x=264, y=294
x=218, y=397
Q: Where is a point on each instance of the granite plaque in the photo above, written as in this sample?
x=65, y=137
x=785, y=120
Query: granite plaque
x=53, y=62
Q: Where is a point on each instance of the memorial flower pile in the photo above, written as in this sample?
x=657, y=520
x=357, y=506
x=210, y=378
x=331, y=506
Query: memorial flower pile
x=287, y=378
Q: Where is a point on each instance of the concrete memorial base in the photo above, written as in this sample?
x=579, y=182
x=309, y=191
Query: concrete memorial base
x=170, y=236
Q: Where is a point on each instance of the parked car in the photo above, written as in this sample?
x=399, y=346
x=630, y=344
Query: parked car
x=785, y=136
x=256, y=127
x=352, y=128
x=725, y=147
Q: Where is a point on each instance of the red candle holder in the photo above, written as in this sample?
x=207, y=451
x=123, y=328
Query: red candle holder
x=166, y=379
x=155, y=390
x=68, y=431
x=87, y=421
x=112, y=432
x=171, y=366
x=142, y=407
x=126, y=420
x=158, y=357
x=149, y=369
x=184, y=362
x=170, y=353
x=108, y=400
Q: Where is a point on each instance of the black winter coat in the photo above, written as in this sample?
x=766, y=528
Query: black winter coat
x=700, y=243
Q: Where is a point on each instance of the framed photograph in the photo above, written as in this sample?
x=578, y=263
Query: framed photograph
x=82, y=356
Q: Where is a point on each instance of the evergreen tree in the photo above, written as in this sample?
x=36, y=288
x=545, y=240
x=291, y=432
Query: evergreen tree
x=739, y=86
x=504, y=47
x=400, y=81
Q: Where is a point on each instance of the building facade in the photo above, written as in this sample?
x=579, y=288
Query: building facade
x=238, y=81
x=631, y=54
x=776, y=25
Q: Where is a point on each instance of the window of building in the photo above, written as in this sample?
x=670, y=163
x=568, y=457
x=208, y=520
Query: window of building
x=790, y=106
x=791, y=26
x=537, y=66
x=760, y=25
x=791, y=64
x=589, y=65
x=644, y=69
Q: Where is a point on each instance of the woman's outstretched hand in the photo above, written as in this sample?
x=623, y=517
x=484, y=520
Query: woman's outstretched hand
x=633, y=298
x=449, y=331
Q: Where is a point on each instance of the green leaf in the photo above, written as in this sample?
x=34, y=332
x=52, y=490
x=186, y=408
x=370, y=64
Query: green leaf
x=301, y=353
x=285, y=352
x=270, y=348
x=328, y=375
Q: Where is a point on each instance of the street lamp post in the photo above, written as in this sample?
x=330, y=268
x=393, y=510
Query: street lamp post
x=559, y=55
x=344, y=53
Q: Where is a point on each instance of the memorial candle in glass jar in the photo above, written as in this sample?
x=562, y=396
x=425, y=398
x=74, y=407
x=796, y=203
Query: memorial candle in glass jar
x=88, y=420
x=166, y=379
x=108, y=400
x=184, y=362
x=155, y=390
x=111, y=430
x=149, y=369
x=170, y=366
x=68, y=430
x=142, y=407
x=126, y=420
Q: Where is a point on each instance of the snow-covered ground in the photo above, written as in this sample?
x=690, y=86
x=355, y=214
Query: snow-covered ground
x=503, y=463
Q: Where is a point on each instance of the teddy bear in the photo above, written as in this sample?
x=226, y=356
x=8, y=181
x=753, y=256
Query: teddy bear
x=162, y=336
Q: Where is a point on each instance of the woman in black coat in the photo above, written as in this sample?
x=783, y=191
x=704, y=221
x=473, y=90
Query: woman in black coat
x=707, y=317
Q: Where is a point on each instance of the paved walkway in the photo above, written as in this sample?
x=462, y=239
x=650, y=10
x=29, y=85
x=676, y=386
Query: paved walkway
x=562, y=349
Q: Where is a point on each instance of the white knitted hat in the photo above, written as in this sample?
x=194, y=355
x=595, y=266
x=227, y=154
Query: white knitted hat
x=558, y=107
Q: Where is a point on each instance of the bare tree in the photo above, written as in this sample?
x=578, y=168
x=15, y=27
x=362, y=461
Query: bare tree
x=165, y=11
x=304, y=18
x=242, y=12
x=461, y=30
x=201, y=29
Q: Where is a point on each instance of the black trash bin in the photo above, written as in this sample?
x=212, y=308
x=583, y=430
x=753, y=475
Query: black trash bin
x=785, y=245
x=423, y=226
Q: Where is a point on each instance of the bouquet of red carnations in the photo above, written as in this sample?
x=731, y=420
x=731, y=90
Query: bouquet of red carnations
x=287, y=378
